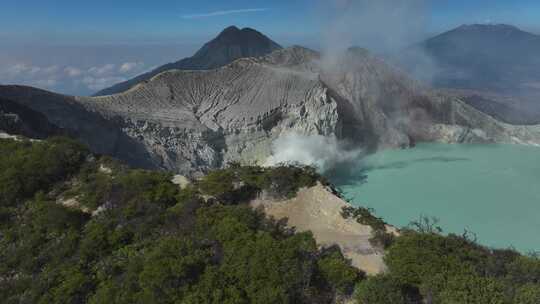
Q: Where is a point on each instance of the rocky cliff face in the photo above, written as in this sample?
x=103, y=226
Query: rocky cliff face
x=191, y=121
x=103, y=136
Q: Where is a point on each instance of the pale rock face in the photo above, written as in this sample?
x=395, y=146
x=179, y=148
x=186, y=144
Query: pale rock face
x=193, y=121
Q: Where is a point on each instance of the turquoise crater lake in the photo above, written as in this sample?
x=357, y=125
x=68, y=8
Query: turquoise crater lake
x=491, y=190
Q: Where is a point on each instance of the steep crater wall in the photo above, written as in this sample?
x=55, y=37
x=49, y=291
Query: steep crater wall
x=193, y=121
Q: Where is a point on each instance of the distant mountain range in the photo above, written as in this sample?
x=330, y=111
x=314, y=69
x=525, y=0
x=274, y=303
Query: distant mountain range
x=500, y=57
x=231, y=44
x=493, y=67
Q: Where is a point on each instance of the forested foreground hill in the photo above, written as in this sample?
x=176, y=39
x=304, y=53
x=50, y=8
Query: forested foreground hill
x=79, y=228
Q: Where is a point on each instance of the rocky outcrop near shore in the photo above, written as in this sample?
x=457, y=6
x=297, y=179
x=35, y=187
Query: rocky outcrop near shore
x=318, y=210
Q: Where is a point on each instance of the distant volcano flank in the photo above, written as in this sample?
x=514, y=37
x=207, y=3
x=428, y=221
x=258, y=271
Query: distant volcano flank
x=231, y=44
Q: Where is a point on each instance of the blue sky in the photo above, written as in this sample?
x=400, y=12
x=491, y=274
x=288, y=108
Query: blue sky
x=99, y=21
x=42, y=37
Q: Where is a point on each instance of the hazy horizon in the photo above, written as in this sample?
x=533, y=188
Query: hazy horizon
x=65, y=48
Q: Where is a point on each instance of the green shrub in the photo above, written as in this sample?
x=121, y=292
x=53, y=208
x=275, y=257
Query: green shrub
x=53, y=217
x=74, y=287
x=217, y=183
x=363, y=216
x=338, y=272
x=285, y=181
x=472, y=289
x=524, y=270
x=94, y=188
x=28, y=167
x=170, y=267
x=152, y=187
x=381, y=289
x=528, y=294
x=238, y=184
x=416, y=258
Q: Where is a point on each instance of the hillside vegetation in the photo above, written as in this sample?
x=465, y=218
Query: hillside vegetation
x=150, y=241
x=79, y=228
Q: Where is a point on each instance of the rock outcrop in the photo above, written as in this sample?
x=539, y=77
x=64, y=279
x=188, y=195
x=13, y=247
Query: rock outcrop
x=192, y=121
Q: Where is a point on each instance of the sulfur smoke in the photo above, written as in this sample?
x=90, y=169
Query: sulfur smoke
x=323, y=153
x=388, y=28
x=392, y=29
x=381, y=26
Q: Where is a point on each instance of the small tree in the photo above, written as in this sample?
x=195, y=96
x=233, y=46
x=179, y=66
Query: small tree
x=337, y=271
x=426, y=224
x=472, y=289
x=381, y=289
x=528, y=294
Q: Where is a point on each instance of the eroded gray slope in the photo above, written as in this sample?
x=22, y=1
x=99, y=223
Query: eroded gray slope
x=204, y=119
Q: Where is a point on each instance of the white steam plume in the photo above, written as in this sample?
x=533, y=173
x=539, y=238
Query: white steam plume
x=381, y=26
x=323, y=153
x=389, y=28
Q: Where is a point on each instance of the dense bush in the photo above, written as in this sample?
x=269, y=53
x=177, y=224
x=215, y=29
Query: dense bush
x=381, y=289
x=238, y=184
x=472, y=289
x=335, y=270
x=364, y=216
x=454, y=269
x=27, y=167
x=380, y=237
x=438, y=256
x=528, y=294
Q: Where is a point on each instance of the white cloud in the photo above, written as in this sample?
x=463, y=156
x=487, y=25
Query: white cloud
x=224, y=12
x=46, y=83
x=103, y=70
x=53, y=69
x=73, y=78
x=22, y=68
x=27, y=74
x=98, y=83
x=73, y=71
x=129, y=67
